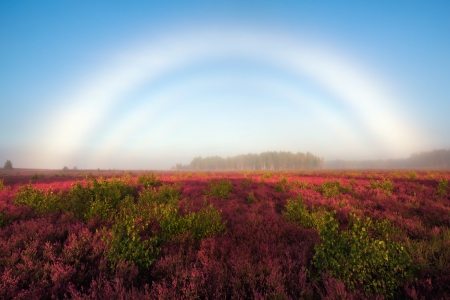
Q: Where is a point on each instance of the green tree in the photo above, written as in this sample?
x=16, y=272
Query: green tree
x=8, y=165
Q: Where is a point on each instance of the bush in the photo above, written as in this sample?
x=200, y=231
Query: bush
x=385, y=185
x=2, y=185
x=297, y=212
x=279, y=187
x=364, y=256
x=267, y=175
x=37, y=176
x=126, y=242
x=99, y=198
x=165, y=195
x=40, y=201
x=412, y=175
x=251, y=198
x=140, y=229
x=3, y=221
x=247, y=182
x=205, y=223
x=149, y=180
x=219, y=189
x=332, y=189
x=442, y=187
x=434, y=252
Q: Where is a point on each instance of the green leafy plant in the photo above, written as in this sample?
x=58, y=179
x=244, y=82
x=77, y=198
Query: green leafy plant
x=442, y=187
x=280, y=188
x=385, y=185
x=296, y=211
x=412, y=175
x=166, y=195
x=37, y=176
x=100, y=198
x=3, y=221
x=219, y=189
x=365, y=256
x=282, y=185
x=149, y=180
x=38, y=199
x=332, y=188
x=303, y=184
x=205, y=223
x=127, y=240
x=2, y=185
x=251, y=198
x=247, y=182
x=433, y=253
x=134, y=238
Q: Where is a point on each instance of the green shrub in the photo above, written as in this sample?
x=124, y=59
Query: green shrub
x=39, y=200
x=364, y=257
x=280, y=188
x=251, y=198
x=165, y=195
x=3, y=222
x=99, y=198
x=442, y=187
x=37, y=176
x=126, y=240
x=247, y=182
x=149, y=180
x=205, y=223
x=332, y=189
x=385, y=185
x=412, y=175
x=282, y=185
x=303, y=184
x=296, y=211
x=433, y=252
x=2, y=185
x=133, y=239
x=219, y=189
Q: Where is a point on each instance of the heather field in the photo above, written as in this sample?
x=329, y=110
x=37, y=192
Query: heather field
x=224, y=235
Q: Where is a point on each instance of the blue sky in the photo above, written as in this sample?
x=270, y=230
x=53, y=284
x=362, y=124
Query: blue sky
x=147, y=84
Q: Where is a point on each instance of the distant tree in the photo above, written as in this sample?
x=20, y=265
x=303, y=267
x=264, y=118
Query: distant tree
x=65, y=168
x=75, y=168
x=264, y=161
x=8, y=165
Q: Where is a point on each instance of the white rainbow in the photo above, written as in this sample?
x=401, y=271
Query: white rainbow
x=340, y=77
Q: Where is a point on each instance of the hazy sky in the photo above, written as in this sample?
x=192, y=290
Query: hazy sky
x=148, y=84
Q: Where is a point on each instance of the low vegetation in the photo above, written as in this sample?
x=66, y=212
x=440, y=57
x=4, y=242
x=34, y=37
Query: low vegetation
x=277, y=235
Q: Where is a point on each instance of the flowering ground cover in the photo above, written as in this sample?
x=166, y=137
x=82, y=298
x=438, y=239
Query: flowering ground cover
x=225, y=235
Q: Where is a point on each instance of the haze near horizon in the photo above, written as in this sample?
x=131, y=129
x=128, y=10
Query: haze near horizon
x=145, y=86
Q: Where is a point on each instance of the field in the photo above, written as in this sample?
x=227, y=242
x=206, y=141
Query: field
x=224, y=235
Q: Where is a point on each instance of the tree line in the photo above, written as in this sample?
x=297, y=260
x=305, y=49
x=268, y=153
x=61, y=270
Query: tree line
x=264, y=161
x=436, y=159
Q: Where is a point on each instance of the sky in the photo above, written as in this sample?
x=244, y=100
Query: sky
x=148, y=84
